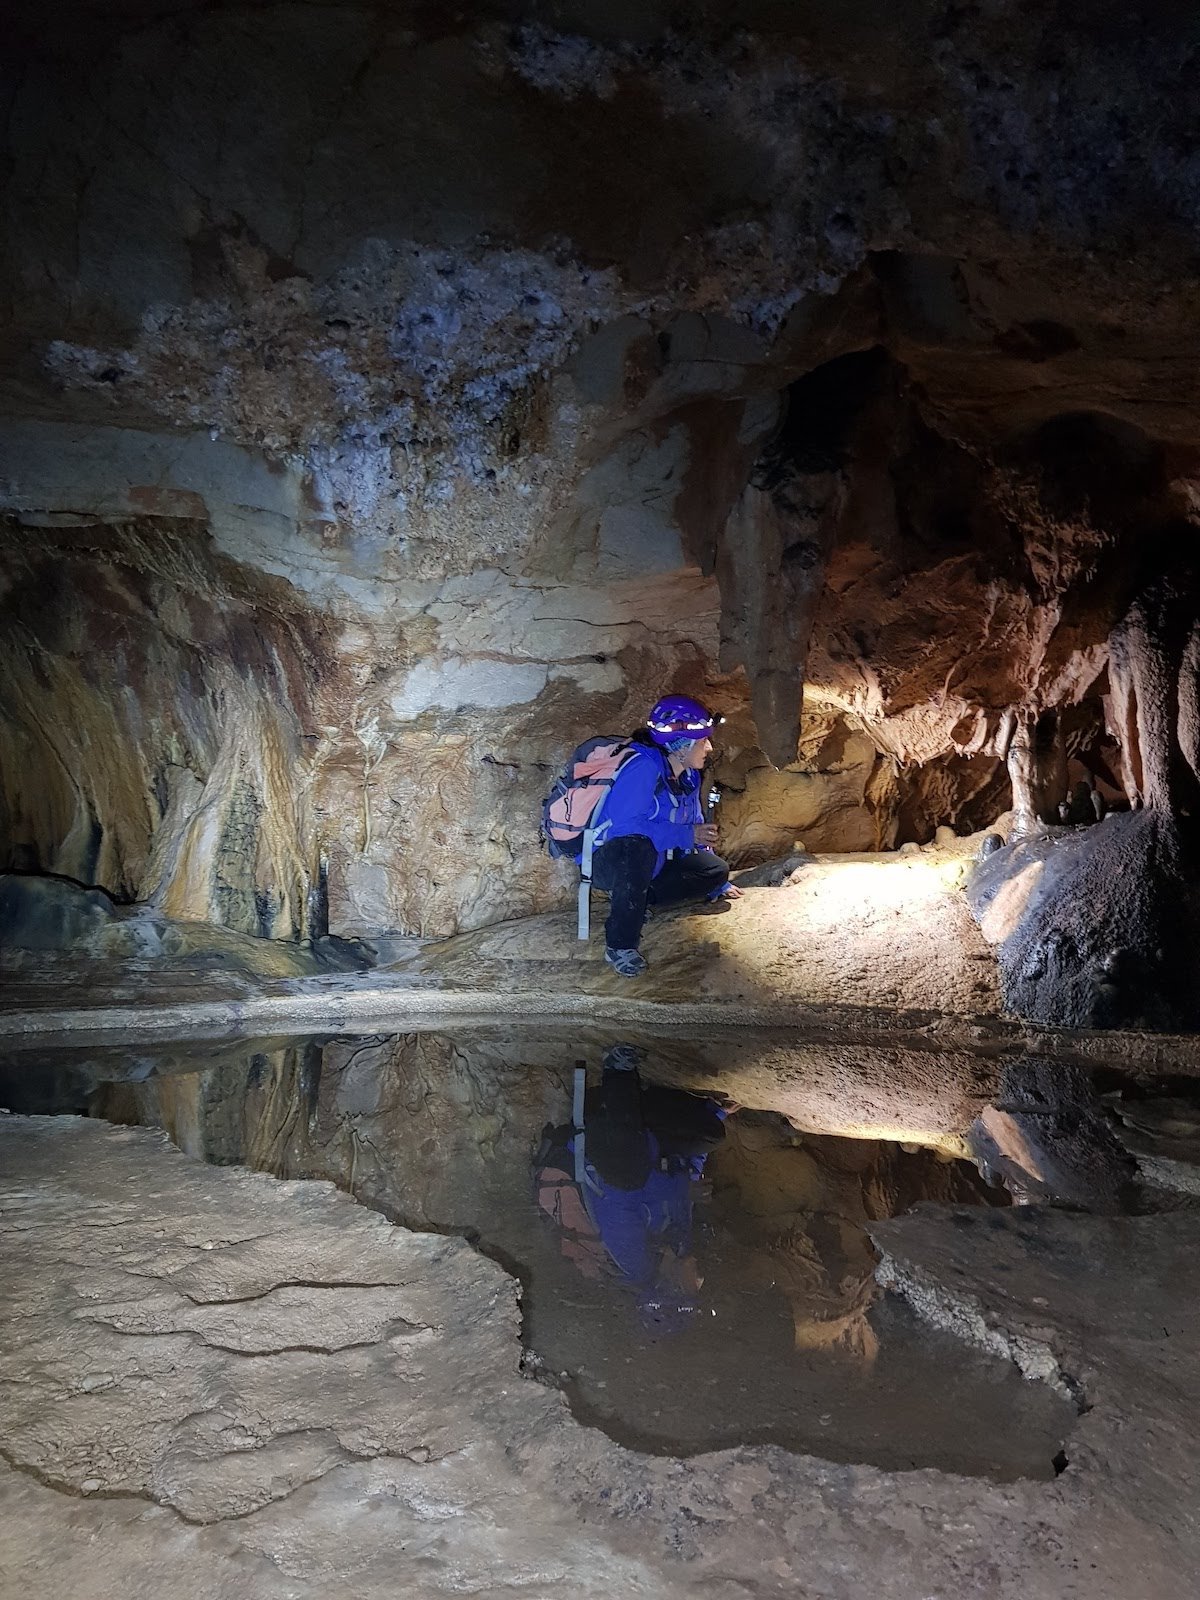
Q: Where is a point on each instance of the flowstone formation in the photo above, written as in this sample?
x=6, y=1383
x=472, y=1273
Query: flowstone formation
x=404, y=398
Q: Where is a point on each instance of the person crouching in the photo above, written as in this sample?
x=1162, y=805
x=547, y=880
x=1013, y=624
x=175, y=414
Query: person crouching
x=656, y=847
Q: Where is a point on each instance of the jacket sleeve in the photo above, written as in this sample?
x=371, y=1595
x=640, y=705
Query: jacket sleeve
x=635, y=806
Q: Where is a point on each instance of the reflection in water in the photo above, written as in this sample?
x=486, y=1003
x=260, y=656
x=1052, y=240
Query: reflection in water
x=803, y=1205
x=694, y=1274
x=1048, y=1137
x=619, y=1184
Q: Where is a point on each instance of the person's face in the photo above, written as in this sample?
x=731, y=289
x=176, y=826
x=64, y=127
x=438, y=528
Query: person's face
x=697, y=755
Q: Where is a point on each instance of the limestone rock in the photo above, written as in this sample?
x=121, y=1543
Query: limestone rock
x=52, y=920
x=1092, y=927
x=346, y=491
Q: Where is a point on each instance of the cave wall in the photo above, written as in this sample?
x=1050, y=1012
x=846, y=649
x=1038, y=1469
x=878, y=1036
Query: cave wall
x=157, y=723
x=403, y=397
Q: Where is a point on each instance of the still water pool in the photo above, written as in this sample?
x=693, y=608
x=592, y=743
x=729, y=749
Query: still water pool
x=695, y=1274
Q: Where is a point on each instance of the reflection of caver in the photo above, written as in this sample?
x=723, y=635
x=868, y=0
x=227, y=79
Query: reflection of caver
x=619, y=1183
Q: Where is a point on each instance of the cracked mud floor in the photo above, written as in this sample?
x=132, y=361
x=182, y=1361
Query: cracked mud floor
x=215, y=1383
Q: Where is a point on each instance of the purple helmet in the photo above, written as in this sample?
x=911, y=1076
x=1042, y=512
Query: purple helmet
x=678, y=717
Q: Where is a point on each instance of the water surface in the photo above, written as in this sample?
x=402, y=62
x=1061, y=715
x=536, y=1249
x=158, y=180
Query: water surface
x=698, y=1275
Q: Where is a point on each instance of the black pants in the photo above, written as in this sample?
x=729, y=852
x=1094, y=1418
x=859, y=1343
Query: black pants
x=625, y=868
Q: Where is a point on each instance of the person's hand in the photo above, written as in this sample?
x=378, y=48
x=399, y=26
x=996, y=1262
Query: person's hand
x=704, y=835
x=733, y=892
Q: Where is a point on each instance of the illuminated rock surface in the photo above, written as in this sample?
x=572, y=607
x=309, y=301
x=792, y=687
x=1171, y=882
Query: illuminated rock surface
x=854, y=948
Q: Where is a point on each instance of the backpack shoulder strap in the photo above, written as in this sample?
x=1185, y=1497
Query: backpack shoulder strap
x=593, y=834
x=586, y=1186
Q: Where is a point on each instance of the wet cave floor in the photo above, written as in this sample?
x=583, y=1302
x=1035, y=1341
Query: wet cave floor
x=695, y=1274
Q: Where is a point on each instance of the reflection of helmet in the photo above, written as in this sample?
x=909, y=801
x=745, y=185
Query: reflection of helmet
x=623, y=1058
x=678, y=718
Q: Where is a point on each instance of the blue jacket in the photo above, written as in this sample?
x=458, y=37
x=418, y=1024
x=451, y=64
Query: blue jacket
x=641, y=801
x=637, y=1227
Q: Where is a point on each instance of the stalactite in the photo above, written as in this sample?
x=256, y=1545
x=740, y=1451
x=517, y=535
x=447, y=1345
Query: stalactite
x=771, y=567
x=1154, y=658
x=1050, y=753
x=1022, y=770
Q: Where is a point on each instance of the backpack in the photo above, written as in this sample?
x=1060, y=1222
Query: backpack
x=574, y=803
x=560, y=1196
x=561, y=1186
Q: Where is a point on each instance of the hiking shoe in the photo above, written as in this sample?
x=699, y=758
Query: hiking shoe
x=627, y=963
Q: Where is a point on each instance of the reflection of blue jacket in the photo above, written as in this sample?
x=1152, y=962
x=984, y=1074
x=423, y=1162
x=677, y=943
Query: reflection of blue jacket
x=643, y=801
x=638, y=1226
